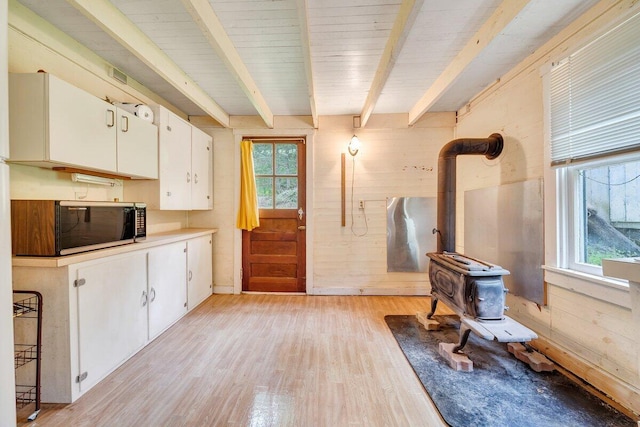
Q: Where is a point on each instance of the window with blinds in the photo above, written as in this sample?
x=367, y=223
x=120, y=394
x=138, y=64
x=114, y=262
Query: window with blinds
x=594, y=108
x=594, y=99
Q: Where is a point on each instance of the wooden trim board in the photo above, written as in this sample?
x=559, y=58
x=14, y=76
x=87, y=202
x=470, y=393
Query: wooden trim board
x=612, y=390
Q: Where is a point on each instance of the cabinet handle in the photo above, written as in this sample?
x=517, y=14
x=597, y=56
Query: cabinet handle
x=144, y=299
x=125, y=126
x=152, y=292
x=195, y=178
x=111, y=119
x=188, y=177
x=190, y=275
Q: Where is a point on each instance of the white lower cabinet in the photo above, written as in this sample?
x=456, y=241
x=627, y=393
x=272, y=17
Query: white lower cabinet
x=200, y=275
x=167, y=286
x=100, y=312
x=112, y=315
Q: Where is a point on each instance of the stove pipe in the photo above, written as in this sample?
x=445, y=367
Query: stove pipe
x=491, y=148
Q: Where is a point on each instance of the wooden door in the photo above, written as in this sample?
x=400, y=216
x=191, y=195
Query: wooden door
x=273, y=255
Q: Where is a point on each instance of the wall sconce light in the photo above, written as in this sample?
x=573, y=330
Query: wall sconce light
x=90, y=179
x=354, y=145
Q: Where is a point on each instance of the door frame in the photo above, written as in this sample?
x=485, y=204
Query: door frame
x=306, y=133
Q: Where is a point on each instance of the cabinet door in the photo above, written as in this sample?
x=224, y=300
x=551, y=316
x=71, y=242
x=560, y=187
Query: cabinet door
x=82, y=128
x=112, y=314
x=137, y=145
x=167, y=286
x=175, y=162
x=201, y=170
x=199, y=260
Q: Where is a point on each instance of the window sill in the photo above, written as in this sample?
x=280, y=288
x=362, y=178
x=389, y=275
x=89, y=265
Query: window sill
x=606, y=289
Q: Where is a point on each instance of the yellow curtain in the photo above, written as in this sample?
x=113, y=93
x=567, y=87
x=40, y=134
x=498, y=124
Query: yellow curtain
x=248, y=214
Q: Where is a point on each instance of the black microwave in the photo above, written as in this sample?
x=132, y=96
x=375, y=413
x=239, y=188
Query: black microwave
x=63, y=227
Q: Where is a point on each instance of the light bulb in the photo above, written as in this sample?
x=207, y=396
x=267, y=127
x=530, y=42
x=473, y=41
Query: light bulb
x=354, y=145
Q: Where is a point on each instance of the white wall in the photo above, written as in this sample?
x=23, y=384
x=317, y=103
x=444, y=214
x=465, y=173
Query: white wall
x=7, y=373
x=394, y=161
x=586, y=325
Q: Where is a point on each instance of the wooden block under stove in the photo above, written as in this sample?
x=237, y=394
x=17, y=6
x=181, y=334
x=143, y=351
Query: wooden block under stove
x=457, y=361
x=537, y=361
x=429, y=324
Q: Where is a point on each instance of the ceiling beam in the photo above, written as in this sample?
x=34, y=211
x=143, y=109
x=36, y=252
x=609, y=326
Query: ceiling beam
x=121, y=29
x=503, y=16
x=301, y=5
x=204, y=16
x=407, y=14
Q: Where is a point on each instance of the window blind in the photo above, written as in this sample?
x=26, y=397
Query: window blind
x=595, y=98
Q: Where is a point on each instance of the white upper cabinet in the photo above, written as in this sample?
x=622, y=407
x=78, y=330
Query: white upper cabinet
x=175, y=161
x=201, y=173
x=185, y=170
x=137, y=152
x=54, y=124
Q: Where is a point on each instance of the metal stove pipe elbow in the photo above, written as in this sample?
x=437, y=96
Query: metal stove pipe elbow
x=491, y=148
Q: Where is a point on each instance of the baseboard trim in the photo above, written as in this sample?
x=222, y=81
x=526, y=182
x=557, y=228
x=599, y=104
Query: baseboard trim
x=372, y=291
x=223, y=289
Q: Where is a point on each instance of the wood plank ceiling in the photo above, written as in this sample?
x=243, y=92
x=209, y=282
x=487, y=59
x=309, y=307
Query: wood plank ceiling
x=225, y=58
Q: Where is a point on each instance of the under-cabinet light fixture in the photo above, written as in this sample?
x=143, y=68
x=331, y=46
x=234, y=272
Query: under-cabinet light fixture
x=90, y=179
x=354, y=145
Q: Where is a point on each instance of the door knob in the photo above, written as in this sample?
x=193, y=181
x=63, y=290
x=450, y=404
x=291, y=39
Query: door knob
x=302, y=227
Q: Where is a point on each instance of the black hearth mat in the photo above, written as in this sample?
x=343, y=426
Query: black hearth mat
x=501, y=390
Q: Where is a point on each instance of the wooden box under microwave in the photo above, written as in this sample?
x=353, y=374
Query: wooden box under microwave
x=54, y=227
x=33, y=225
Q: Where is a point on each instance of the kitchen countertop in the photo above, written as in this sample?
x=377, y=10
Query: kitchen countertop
x=152, y=240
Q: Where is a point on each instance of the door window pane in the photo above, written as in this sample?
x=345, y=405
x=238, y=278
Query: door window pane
x=276, y=170
x=286, y=193
x=265, y=192
x=286, y=159
x=263, y=159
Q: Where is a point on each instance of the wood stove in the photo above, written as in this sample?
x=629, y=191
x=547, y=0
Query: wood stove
x=472, y=288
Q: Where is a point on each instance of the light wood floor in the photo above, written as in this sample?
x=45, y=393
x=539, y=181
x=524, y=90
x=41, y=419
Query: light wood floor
x=264, y=360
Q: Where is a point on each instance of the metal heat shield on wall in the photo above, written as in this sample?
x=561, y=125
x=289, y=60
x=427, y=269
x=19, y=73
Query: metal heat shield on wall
x=503, y=225
x=409, y=237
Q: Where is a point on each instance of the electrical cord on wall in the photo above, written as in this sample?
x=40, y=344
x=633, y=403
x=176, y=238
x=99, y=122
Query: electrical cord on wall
x=366, y=224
